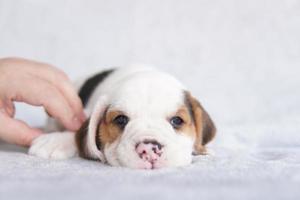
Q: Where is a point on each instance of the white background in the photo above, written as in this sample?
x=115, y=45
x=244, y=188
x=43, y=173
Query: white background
x=240, y=58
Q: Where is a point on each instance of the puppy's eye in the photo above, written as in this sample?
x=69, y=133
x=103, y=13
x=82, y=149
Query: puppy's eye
x=121, y=121
x=176, y=122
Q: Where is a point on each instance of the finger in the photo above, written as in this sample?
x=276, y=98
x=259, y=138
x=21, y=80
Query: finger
x=7, y=107
x=16, y=131
x=62, y=82
x=42, y=93
x=56, y=77
x=72, y=97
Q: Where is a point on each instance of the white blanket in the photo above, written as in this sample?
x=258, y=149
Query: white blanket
x=256, y=173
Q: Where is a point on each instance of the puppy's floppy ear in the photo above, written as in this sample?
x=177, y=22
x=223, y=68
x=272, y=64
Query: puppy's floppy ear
x=86, y=138
x=205, y=128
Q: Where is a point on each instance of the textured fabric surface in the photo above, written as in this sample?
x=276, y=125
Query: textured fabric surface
x=240, y=58
x=257, y=174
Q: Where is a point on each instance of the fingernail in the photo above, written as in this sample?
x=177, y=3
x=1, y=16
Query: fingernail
x=37, y=132
x=82, y=117
x=76, y=123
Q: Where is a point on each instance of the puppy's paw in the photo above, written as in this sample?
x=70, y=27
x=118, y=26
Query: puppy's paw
x=58, y=145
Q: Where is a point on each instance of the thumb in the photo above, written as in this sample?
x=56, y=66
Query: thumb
x=16, y=132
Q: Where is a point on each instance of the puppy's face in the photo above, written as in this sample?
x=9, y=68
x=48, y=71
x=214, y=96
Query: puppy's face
x=147, y=141
x=150, y=126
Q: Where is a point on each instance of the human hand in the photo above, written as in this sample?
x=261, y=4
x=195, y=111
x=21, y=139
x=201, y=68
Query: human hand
x=37, y=84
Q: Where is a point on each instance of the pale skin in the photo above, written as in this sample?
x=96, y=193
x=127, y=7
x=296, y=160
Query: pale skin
x=37, y=84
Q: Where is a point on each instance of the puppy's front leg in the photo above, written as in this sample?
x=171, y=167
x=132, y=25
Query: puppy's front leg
x=57, y=145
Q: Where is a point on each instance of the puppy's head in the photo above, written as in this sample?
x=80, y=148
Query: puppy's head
x=148, y=122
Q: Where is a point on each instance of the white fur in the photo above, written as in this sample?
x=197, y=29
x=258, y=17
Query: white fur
x=60, y=145
x=92, y=128
x=148, y=97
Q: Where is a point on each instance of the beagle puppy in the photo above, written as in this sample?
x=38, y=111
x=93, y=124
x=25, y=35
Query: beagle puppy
x=139, y=118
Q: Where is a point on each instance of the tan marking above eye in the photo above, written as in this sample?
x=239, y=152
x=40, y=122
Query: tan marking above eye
x=188, y=126
x=108, y=131
x=184, y=114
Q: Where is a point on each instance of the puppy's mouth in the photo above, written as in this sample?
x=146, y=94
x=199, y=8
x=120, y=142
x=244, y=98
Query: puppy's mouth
x=149, y=165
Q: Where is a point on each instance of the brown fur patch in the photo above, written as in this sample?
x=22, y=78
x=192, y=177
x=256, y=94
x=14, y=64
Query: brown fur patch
x=188, y=127
x=81, y=139
x=205, y=128
x=108, y=131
